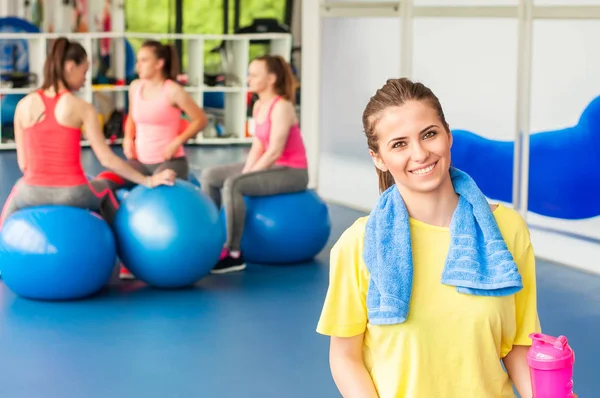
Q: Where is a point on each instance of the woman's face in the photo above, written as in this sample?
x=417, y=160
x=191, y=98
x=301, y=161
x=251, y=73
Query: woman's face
x=414, y=146
x=259, y=78
x=75, y=74
x=147, y=64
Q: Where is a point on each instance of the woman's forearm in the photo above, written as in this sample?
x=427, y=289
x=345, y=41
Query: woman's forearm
x=255, y=152
x=351, y=378
x=265, y=161
x=518, y=370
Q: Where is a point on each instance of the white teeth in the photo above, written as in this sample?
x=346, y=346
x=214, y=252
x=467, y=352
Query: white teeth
x=424, y=170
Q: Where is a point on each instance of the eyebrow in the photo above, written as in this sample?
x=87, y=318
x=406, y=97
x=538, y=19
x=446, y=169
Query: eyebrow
x=420, y=132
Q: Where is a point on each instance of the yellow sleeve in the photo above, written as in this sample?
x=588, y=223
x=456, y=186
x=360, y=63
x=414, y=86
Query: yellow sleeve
x=344, y=313
x=526, y=300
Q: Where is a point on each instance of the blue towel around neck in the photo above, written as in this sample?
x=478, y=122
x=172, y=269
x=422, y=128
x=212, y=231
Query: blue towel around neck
x=478, y=261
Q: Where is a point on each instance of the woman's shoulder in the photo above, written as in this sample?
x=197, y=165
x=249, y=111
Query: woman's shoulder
x=353, y=236
x=134, y=84
x=346, y=255
x=513, y=227
x=283, y=105
x=508, y=215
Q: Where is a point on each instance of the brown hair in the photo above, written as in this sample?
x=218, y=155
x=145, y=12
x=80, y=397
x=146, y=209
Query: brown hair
x=62, y=51
x=168, y=53
x=285, y=82
x=395, y=93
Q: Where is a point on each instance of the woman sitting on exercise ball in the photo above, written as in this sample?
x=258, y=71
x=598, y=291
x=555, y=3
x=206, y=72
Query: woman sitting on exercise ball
x=276, y=162
x=154, y=131
x=48, y=124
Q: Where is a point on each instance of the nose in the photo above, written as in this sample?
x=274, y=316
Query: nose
x=419, y=153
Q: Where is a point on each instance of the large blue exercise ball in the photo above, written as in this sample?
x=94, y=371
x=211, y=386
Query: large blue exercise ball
x=56, y=253
x=169, y=236
x=285, y=229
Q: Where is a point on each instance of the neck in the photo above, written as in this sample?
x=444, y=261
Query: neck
x=157, y=80
x=61, y=87
x=434, y=208
x=267, y=96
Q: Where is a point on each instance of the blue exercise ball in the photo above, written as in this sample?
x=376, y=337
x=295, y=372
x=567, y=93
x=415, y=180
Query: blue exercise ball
x=56, y=253
x=285, y=228
x=169, y=237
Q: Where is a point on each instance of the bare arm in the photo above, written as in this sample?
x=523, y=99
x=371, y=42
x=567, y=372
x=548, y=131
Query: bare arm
x=19, y=138
x=129, y=125
x=129, y=128
x=281, y=122
x=348, y=369
x=129, y=133
x=256, y=151
x=518, y=370
x=106, y=156
x=198, y=119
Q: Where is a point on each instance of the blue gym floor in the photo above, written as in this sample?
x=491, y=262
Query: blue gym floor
x=248, y=334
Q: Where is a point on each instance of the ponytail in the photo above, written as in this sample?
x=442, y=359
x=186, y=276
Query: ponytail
x=62, y=51
x=168, y=53
x=385, y=180
x=171, y=71
x=285, y=81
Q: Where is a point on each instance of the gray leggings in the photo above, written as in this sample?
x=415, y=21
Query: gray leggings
x=97, y=196
x=178, y=165
x=236, y=185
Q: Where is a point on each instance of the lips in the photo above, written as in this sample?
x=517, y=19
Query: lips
x=424, y=170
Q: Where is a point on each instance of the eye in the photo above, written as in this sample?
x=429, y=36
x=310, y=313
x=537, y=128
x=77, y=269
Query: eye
x=429, y=134
x=398, y=144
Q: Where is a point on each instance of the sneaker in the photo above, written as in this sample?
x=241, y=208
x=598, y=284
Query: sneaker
x=125, y=274
x=229, y=264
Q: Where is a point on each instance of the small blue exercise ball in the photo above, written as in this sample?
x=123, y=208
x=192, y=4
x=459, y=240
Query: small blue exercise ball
x=56, y=253
x=169, y=236
x=285, y=228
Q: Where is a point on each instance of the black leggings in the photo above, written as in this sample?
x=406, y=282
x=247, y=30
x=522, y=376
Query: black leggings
x=178, y=165
x=96, y=196
x=235, y=185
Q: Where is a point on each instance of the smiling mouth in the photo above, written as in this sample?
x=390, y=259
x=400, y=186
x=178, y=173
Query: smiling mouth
x=424, y=170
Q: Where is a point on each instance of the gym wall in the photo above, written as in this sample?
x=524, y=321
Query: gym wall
x=472, y=65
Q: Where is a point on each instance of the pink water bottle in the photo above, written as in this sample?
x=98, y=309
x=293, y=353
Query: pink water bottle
x=550, y=361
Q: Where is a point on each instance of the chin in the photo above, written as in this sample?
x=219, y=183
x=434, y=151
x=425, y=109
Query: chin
x=431, y=186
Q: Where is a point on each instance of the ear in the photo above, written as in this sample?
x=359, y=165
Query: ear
x=377, y=161
x=69, y=65
x=450, y=138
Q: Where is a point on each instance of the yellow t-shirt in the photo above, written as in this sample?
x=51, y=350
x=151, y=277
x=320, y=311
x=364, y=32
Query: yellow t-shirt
x=451, y=344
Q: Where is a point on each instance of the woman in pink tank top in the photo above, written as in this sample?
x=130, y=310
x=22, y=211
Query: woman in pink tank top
x=276, y=163
x=155, y=132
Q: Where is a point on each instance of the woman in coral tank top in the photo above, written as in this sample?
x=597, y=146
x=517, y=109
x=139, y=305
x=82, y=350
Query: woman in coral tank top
x=154, y=131
x=277, y=160
x=48, y=124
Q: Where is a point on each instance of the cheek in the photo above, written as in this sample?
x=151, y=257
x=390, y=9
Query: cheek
x=442, y=148
x=396, y=161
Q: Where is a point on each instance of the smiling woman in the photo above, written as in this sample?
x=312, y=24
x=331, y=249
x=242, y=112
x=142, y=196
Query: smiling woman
x=429, y=219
